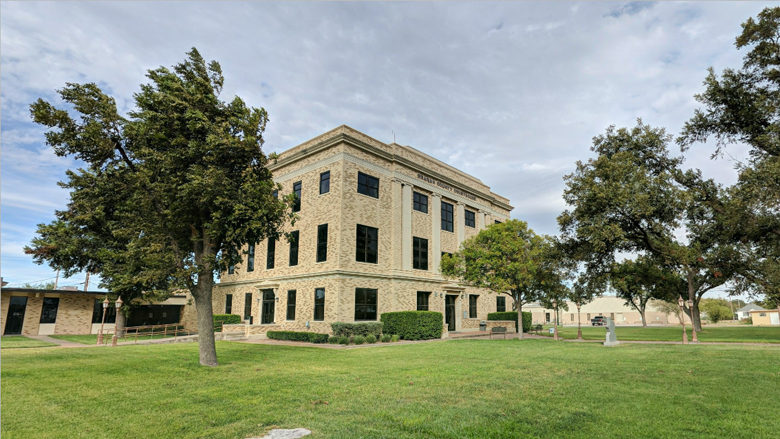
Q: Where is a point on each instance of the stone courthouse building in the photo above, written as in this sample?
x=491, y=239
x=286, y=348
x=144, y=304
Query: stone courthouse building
x=374, y=221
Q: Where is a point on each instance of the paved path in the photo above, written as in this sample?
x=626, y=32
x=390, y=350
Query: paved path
x=58, y=342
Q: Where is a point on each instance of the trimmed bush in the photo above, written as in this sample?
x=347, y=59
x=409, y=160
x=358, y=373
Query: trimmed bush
x=226, y=319
x=359, y=339
x=370, y=338
x=344, y=340
x=311, y=337
x=333, y=340
x=362, y=328
x=512, y=315
x=413, y=325
x=394, y=338
x=386, y=338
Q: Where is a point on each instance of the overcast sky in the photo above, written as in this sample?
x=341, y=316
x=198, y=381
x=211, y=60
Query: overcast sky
x=511, y=93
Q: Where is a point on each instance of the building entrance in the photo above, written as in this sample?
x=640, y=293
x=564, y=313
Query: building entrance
x=269, y=307
x=15, y=318
x=449, y=311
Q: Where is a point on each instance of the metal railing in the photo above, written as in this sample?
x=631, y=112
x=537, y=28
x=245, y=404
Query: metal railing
x=149, y=332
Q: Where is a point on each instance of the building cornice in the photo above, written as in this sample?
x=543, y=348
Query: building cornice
x=271, y=282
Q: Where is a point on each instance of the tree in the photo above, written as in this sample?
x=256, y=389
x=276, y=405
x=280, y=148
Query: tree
x=743, y=106
x=667, y=308
x=581, y=294
x=39, y=286
x=169, y=195
x=632, y=198
x=504, y=258
x=717, y=309
x=638, y=282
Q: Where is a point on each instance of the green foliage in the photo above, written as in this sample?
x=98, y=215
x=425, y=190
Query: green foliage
x=362, y=328
x=386, y=338
x=333, y=340
x=344, y=340
x=716, y=309
x=370, y=338
x=359, y=339
x=638, y=282
x=394, y=338
x=224, y=319
x=311, y=337
x=39, y=286
x=512, y=316
x=413, y=325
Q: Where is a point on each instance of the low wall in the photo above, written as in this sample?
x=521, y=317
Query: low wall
x=508, y=324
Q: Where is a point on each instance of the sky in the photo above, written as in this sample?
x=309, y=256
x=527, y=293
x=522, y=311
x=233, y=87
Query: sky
x=509, y=92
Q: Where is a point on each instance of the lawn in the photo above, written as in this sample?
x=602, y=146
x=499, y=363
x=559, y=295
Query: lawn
x=745, y=334
x=91, y=339
x=453, y=389
x=20, y=341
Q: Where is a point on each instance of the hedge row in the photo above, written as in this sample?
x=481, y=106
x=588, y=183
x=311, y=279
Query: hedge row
x=413, y=325
x=512, y=315
x=311, y=337
x=226, y=319
x=351, y=329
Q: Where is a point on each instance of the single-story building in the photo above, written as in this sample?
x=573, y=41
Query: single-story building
x=765, y=317
x=30, y=311
x=607, y=306
x=744, y=312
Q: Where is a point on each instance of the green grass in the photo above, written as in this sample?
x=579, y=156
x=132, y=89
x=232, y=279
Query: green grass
x=91, y=339
x=744, y=334
x=19, y=341
x=453, y=389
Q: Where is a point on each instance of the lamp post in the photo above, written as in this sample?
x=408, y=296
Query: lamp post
x=682, y=320
x=102, y=322
x=118, y=305
x=693, y=326
x=579, y=325
x=555, y=310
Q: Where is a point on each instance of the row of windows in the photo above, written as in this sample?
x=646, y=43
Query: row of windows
x=270, y=260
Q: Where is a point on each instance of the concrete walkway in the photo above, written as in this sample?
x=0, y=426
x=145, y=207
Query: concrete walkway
x=58, y=342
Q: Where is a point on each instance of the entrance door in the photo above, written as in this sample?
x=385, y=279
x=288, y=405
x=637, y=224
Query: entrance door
x=449, y=311
x=15, y=318
x=269, y=306
x=774, y=319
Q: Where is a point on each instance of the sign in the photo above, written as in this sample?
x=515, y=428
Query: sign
x=552, y=330
x=446, y=186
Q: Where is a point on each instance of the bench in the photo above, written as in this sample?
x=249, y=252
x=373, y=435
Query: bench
x=537, y=329
x=497, y=330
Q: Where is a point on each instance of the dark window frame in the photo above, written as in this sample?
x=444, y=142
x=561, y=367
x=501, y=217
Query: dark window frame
x=97, y=312
x=270, y=254
x=419, y=253
x=447, y=216
x=473, y=299
x=319, y=305
x=470, y=218
x=369, y=186
x=364, y=306
x=292, y=298
x=420, y=202
x=250, y=258
x=324, y=182
x=247, y=306
x=294, y=247
x=423, y=300
x=500, y=304
x=367, y=245
x=297, y=191
x=228, y=303
x=322, y=243
x=49, y=312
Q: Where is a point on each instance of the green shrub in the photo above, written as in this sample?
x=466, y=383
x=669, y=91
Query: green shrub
x=333, y=340
x=344, y=340
x=311, y=337
x=359, y=339
x=512, y=315
x=394, y=338
x=370, y=338
x=225, y=319
x=386, y=338
x=352, y=329
x=413, y=325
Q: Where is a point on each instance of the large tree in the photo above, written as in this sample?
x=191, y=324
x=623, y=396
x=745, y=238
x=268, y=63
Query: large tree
x=168, y=195
x=507, y=258
x=640, y=281
x=742, y=106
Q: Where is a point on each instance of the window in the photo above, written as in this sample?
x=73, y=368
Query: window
x=419, y=253
x=422, y=300
x=473, y=306
x=97, y=312
x=276, y=194
x=445, y=253
x=294, y=248
x=297, y=192
x=470, y=218
x=271, y=254
x=500, y=304
x=368, y=185
x=291, y=304
x=325, y=182
x=497, y=222
x=761, y=314
x=250, y=259
x=572, y=317
x=49, y=311
x=365, y=304
x=248, y=306
x=420, y=202
x=228, y=303
x=319, y=304
x=231, y=269
x=322, y=243
x=446, y=216
x=366, y=244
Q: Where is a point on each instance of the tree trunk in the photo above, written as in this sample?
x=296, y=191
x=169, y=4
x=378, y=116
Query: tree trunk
x=120, y=323
x=205, y=316
x=579, y=325
x=644, y=319
x=695, y=315
x=519, y=320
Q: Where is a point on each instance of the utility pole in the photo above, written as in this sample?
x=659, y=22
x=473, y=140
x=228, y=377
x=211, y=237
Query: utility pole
x=57, y=279
x=86, y=283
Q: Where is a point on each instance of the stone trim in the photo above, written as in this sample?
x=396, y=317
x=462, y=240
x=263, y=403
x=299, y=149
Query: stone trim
x=334, y=273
